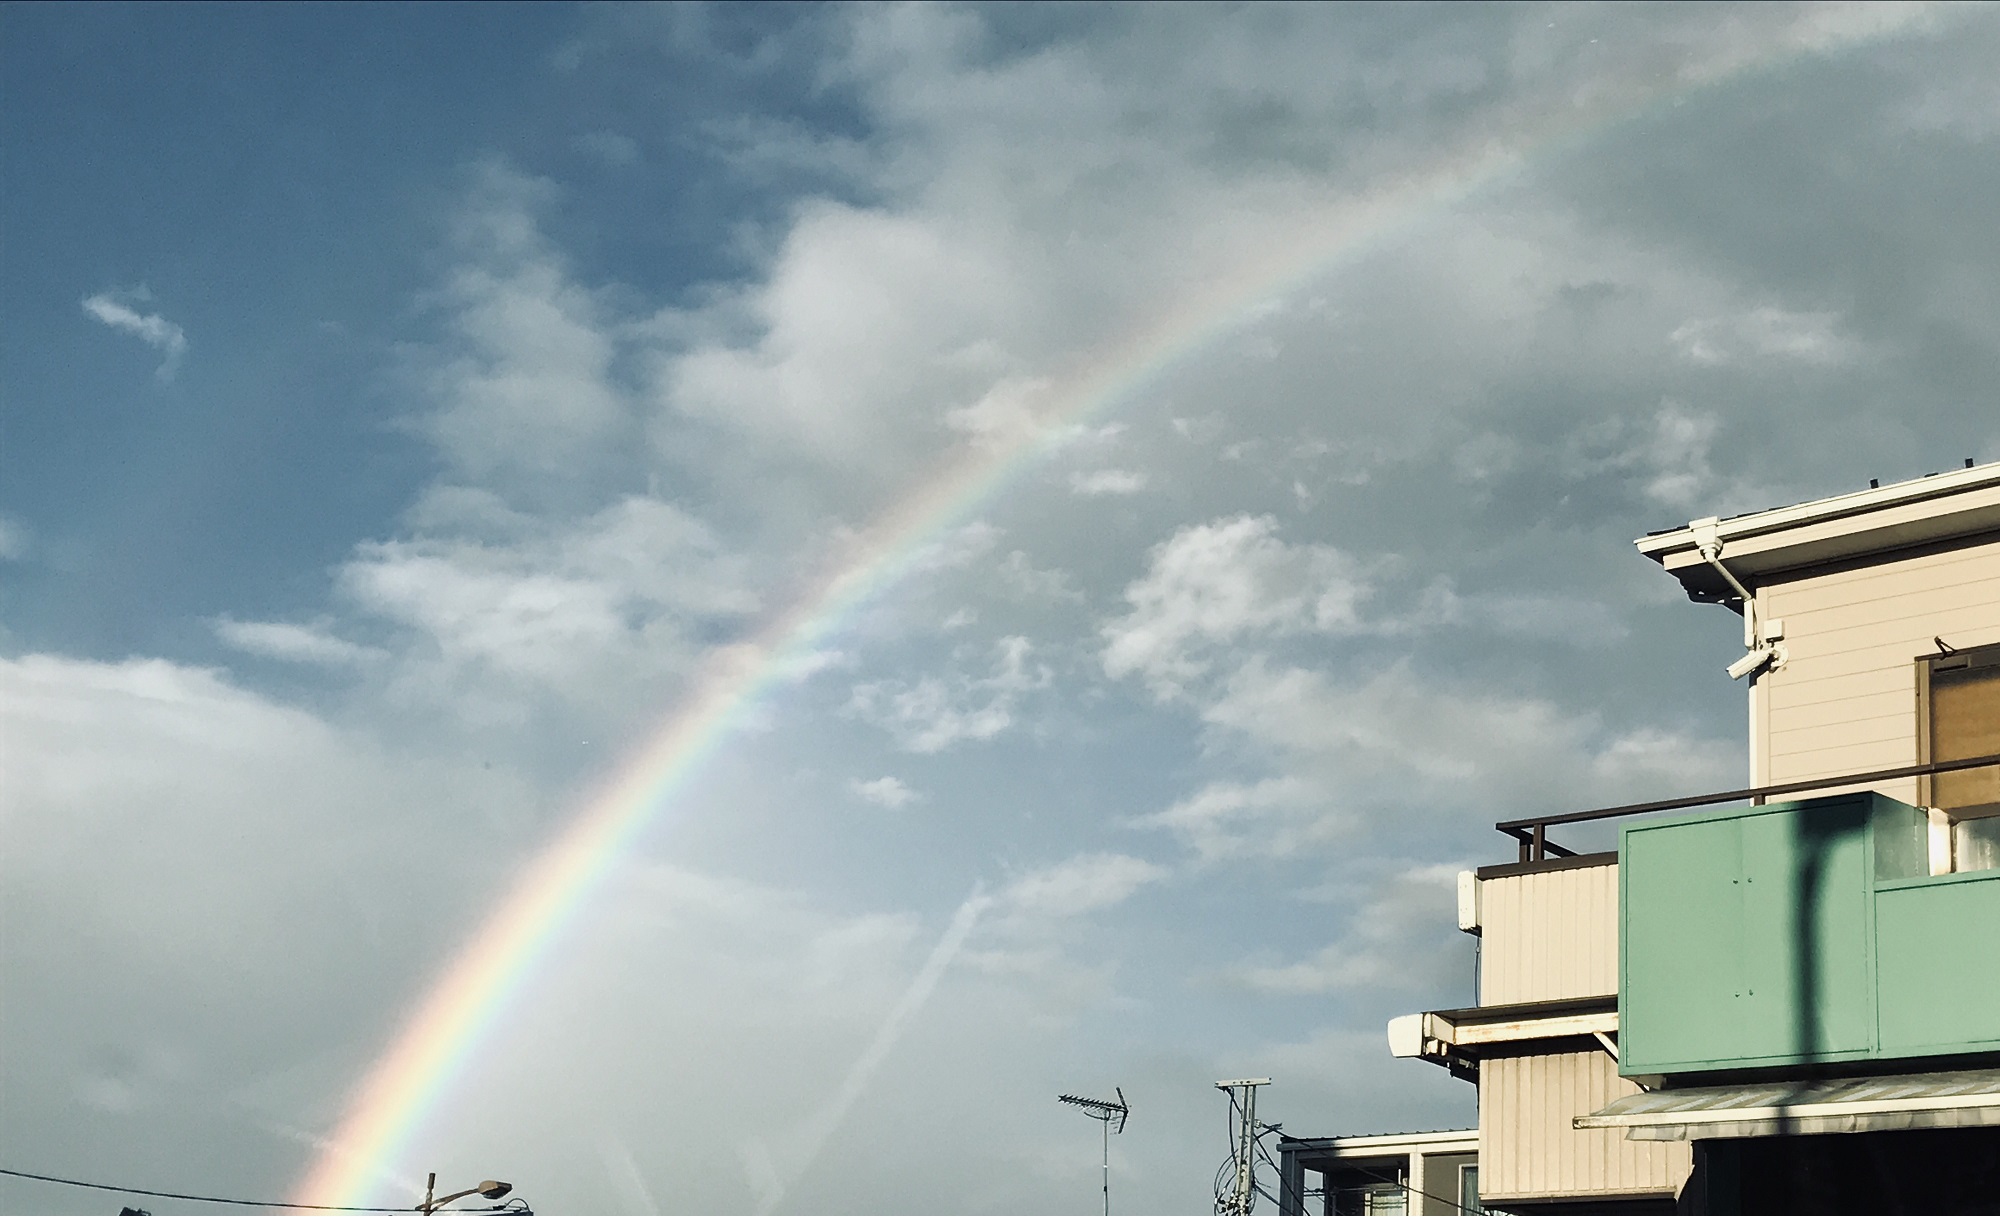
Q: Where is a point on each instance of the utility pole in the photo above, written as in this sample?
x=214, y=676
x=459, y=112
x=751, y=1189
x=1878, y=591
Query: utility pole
x=1243, y=1193
x=1103, y=1112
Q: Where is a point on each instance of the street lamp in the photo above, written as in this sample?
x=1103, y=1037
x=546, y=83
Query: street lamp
x=488, y=1189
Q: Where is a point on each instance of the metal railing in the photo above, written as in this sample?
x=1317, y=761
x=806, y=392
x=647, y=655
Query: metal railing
x=1532, y=833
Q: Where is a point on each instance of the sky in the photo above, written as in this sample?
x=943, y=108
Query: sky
x=1164, y=477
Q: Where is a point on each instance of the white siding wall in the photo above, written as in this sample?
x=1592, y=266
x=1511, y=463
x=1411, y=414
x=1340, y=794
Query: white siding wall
x=1847, y=699
x=1549, y=936
x=1529, y=1149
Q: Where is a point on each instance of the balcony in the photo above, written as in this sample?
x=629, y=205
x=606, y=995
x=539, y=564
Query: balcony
x=1807, y=932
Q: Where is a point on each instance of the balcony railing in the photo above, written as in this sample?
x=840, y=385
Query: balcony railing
x=1535, y=844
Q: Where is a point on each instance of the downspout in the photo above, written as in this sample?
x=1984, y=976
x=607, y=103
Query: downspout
x=1762, y=648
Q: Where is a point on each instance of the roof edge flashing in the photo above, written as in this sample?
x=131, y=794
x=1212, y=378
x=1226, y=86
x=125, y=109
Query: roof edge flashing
x=1931, y=509
x=1771, y=521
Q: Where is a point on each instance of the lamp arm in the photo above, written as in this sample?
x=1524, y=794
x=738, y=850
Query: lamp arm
x=437, y=1203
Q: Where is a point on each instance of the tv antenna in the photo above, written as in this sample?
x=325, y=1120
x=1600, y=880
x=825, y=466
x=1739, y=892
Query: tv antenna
x=1236, y=1193
x=1103, y=1112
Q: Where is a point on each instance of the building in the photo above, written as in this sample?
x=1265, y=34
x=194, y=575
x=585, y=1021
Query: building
x=1425, y=1173
x=1785, y=998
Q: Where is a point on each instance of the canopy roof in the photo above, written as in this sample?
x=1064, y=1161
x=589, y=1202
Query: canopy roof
x=1808, y=1107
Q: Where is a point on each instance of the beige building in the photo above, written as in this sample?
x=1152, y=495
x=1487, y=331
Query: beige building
x=1871, y=653
x=1868, y=619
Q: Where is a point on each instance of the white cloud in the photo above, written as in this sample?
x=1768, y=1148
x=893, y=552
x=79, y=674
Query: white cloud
x=310, y=645
x=850, y=326
x=1766, y=332
x=582, y=610
x=1391, y=942
x=932, y=713
x=888, y=792
x=1418, y=739
x=1023, y=579
x=1009, y=411
x=13, y=539
x=1217, y=583
x=524, y=396
x=957, y=548
x=1092, y=881
x=1275, y=818
x=1107, y=482
x=256, y=870
x=115, y=309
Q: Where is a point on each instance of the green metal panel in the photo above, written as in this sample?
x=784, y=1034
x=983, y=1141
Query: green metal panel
x=1938, y=942
x=1781, y=934
x=1682, y=914
x=1746, y=937
x=1806, y=884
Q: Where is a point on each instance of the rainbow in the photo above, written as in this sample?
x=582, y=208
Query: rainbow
x=440, y=1037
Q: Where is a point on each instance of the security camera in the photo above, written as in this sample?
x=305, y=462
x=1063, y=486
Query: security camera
x=1751, y=662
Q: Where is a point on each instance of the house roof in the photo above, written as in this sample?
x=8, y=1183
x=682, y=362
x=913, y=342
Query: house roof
x=1387, y=1143
x=1757, y=546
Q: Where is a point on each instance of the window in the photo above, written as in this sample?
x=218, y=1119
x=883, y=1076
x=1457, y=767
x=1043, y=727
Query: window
x=1468, y=1191
x=1364, y=1188
x=1959, y=717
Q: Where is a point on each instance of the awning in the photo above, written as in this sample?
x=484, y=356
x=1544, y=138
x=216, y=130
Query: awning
x=1807, y=1107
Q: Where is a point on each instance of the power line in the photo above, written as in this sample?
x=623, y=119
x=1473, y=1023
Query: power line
x=169, y=1194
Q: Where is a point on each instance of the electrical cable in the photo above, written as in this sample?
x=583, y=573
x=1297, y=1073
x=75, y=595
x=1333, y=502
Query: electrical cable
x=169, y=1194
x=1222, y=1171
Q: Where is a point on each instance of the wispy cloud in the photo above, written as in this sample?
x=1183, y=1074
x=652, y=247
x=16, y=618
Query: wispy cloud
x=1107, y=482
x=307, y=645
x=1080, y=884
x=115, y=308
x=932, y=713
x=828, y=1118
x=13, y=539
x=888, y=792
x=1764, y=333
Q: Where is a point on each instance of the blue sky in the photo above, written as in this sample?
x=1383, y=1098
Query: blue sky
x=402, y=405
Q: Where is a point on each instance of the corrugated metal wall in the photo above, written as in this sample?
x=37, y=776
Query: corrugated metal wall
x=1549, y=936
x=1528, y=1148
x=1846, y=699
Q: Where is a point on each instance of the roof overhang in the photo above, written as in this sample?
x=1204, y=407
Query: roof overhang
x=1457, y=1038
x=1807, y=1107
x=1959, y=504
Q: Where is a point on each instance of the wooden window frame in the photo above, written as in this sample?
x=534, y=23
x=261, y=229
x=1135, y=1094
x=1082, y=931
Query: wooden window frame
x=1981, y=656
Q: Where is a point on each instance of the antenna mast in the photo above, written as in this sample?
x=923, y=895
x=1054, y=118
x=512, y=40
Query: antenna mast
x=1242, y=1196
x=1103, y=1112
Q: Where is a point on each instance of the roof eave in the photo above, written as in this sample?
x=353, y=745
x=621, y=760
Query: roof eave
x=1937, y=508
